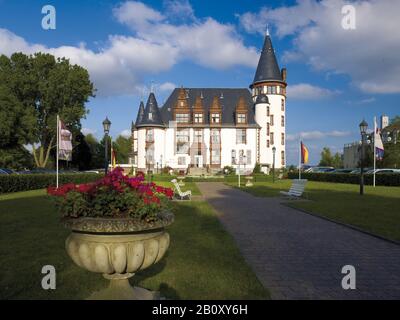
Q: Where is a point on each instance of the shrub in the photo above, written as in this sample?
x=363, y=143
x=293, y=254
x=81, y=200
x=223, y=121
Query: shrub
x=24, y=182
x=257, y=169
x=382, y=179
x=114, y=195
x=228, y=170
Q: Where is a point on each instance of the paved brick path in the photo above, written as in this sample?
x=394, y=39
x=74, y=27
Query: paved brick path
x=298, y=256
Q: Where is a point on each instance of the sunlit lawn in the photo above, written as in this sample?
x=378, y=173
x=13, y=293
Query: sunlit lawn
x=202, y=262
x=188, y=186
x=378, y=211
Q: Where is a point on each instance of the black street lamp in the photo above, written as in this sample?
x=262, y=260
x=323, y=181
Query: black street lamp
x=363, y=130
x=106, y=127
x=273, y=164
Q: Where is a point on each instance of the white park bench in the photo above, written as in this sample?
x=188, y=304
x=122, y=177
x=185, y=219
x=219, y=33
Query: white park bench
x=297, y=188
x=182, y=195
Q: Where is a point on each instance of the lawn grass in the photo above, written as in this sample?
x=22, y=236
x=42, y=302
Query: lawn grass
x=202, y=262
x=263, y=189
x=377, y=211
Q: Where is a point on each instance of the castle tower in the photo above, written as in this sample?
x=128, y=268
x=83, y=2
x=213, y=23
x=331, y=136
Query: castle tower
x=269, y=96
x=150, y=135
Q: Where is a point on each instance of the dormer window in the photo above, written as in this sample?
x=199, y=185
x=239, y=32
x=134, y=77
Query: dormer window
x=215, y=118
x=198, y=118
x=182, y=118
x=241, y=118
x=150, y=116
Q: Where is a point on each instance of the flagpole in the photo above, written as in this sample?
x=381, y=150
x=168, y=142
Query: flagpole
x=375, y=128
x=299, y=160
x=58, y=121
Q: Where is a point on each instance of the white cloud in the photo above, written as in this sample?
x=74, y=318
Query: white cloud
x=316, y=135
x=368, y=54
x=86, y=131
x=167, y=86
x=179, y=9
x=126, y=133
x=305, y=91
x=120, y=66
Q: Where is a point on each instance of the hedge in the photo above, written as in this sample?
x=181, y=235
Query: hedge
x=214, y=178
x=24, y=182
x=382, y=179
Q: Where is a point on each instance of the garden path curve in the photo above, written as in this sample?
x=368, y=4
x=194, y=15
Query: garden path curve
x=300, y=256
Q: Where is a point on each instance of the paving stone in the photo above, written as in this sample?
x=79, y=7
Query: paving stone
x=299, y=256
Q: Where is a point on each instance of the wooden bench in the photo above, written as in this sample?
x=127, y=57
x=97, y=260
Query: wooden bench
x=297, y=188
x=182, y=195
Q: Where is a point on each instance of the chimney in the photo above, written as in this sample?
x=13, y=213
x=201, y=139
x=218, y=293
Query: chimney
x=283, y=74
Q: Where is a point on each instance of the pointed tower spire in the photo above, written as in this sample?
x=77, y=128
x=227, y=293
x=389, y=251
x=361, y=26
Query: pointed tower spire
x=151, y=116
x=140, y=114
x=268, y=68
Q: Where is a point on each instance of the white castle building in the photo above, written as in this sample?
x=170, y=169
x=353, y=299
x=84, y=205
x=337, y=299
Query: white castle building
x=201, y=130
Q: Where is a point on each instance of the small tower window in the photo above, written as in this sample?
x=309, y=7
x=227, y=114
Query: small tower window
x=283, y=158
x=283, y=139
x=267, y=111
x=241, y=118
x=282, y=121
x=282, y=105
x=150, y=116
x=271, y=121
x=267, y=128
x=273, y=89
x=198, y=118
x=215, y=118
x=271, y=137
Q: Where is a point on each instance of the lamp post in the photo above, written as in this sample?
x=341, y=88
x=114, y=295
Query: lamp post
x=273, y=164
x=363, y=130
x=106, y=127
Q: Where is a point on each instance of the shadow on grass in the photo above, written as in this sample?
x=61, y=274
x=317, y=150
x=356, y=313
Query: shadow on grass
x=201, y=263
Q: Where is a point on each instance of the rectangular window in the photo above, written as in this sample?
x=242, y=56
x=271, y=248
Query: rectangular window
x=273, y=89
x=271, y=121
x=241, y=118
x=215, y=137
x=248, y=156
x=150, y=155
x=150, y=116
x=215, y=118
x=268, y=143
x=198, y=136
x=181, y=161
x=269, y=90
x=182, y=141
x=268, y=128
x=240, y=136
x=149, y=135
x=271, y=137
x=215, y=156
x=282, y=121
x=233, y=156
x=267, y=111
x=182, y=117
x=282, y=105
x=283, y=139
x=198, y=118
x=283, y=158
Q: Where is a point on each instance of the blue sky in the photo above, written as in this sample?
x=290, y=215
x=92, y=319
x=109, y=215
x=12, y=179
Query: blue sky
x=336, y=77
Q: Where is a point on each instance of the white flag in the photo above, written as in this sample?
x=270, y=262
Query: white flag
x=64, y=142
x=378, y=143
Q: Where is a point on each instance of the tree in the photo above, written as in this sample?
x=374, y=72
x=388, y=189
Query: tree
x=97, y=158
x=81, y=154
x=337, y=160
x=45, y=86
x=17, y=158
x=123, y=148
x=326, y=158
x=391, y=156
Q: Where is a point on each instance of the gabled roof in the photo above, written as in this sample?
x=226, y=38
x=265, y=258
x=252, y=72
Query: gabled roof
x=152, y=115
x=268, y=68
x=228, y=99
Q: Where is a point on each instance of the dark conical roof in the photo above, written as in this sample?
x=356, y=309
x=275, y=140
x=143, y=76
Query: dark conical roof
x=268, y=68
x=152, y=115
x=140, y=114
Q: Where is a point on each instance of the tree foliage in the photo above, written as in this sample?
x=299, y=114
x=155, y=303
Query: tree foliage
x=329, y=160
x=38, y=87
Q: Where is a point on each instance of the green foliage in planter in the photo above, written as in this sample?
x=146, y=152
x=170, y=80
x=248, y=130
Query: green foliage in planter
x=24, y=182
x=382, y=179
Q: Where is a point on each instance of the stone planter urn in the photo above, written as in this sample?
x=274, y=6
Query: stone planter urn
x=118, y=248
x=249, y=181
x=181, y=182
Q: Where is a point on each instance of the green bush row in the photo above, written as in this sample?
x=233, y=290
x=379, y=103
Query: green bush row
x=24, y=182
x=383, y=179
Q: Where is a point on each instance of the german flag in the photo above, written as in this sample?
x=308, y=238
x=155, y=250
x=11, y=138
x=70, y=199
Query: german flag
x=304, y=153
